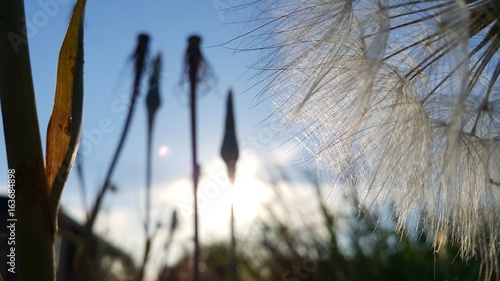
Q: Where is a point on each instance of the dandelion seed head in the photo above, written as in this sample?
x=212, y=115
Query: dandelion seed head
x=197, y=72
x=399, y=102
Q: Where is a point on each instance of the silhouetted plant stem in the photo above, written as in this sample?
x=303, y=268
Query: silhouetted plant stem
x=152, y=104
x=139, y=55
x=148, y=175
x=196, y=174
x=81, y=179
x=164, y=272
x=193, y=60
x=147, y=249
x=234, y=261
x=230, y=153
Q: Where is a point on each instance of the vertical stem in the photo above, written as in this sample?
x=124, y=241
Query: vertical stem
x=89, y=261
x=148, y=174
x=147, y=249
x=107, y=181
x=152, y=104
x=83, y=189
x=234, y=276
x=140, y=55
x=196, y=174
x=147, y=222
x=34, y=228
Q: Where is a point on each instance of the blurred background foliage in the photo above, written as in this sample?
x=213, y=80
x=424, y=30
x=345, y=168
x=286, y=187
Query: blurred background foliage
x=363, y=249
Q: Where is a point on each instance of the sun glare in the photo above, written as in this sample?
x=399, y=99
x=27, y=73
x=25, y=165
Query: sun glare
x=249, y=195
x=216, y=194
x=163, y=150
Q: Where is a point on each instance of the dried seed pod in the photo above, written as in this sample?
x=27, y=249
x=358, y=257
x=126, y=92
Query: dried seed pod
x=229, y=150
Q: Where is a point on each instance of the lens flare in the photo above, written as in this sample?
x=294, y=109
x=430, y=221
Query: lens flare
x=163, y=151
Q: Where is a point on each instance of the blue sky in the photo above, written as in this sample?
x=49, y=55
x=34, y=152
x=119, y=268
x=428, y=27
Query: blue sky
x=111, y=29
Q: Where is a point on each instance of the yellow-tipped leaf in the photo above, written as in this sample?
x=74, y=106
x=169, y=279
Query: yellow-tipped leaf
x=63, y=131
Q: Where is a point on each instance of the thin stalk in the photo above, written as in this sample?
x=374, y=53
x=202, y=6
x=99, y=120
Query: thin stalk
x=173, y=226
x=196, y=175
x=140, y=56
x=145, y=258
x=194, y=61
x=230, y=153
x=147, y=220
x=88, y=264
x=148, y=173
x=81, y=179
x=164, y=274
x=152, y=104
x=234, y=261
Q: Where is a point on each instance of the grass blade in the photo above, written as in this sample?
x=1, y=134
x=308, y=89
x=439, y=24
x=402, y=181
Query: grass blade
x=63, y=131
